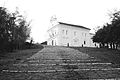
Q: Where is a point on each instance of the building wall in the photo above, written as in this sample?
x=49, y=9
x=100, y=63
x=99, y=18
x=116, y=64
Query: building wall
x=53, y=34
x=64, y=35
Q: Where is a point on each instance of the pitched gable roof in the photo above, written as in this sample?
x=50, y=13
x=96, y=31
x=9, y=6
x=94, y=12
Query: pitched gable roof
x=74, y=25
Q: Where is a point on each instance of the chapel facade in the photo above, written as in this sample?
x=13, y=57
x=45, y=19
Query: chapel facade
x=64, y=34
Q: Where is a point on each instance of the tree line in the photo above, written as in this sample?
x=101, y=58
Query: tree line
x=14, y=30
x=109, y=35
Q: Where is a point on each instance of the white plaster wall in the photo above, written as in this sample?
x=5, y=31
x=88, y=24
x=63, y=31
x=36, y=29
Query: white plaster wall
x=73, y=40
x=62, y=39
x=53, y=34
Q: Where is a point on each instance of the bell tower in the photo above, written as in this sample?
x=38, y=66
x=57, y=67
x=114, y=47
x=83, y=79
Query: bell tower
x=53, y=20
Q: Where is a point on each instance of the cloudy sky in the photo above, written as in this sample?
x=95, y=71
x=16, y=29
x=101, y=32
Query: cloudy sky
x=88, y=13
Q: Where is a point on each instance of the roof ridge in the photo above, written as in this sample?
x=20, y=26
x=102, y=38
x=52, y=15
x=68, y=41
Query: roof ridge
x=74, y=25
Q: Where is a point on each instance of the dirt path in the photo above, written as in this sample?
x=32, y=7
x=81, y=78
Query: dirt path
x=60, y=63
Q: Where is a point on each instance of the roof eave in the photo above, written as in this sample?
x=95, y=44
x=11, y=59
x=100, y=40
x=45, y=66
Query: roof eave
x=74, y=25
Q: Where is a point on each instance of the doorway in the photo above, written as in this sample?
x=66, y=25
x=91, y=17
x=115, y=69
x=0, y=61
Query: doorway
x=52, y=42
x=67, y=44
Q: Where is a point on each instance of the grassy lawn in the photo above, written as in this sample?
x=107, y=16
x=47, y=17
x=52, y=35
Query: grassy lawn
x=7, y=59
x=56, y=55
x=19, y=54
x=106, y=55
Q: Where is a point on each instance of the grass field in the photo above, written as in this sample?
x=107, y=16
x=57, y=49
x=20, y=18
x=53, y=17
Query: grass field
x=19, y=54
x=7, y=59
x=59, y=63
x=106, y=55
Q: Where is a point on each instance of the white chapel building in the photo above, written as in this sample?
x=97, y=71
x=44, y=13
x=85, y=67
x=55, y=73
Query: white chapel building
x=64, y=34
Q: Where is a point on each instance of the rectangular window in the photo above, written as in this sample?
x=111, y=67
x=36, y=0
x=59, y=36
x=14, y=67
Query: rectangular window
x=55, y=31
x=66, y=32
x=52, y=34
x=82, y=34
x=74, y=33
x=85, y=34
x=62, y=31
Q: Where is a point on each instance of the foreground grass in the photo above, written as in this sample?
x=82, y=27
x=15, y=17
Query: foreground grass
x=55, y=55
x=20, y=54
x=7, y=59
x=106, y=55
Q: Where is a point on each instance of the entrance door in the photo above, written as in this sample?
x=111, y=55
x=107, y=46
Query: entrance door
x=67, y=44
x=52, y=42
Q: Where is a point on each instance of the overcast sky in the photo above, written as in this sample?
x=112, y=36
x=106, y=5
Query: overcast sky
x=88, y=13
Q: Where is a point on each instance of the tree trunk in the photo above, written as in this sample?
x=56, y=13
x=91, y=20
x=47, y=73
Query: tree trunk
x=111, y=45
x=100, y=45
x=116, y=46
x=103, y=45
x=107, y=45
